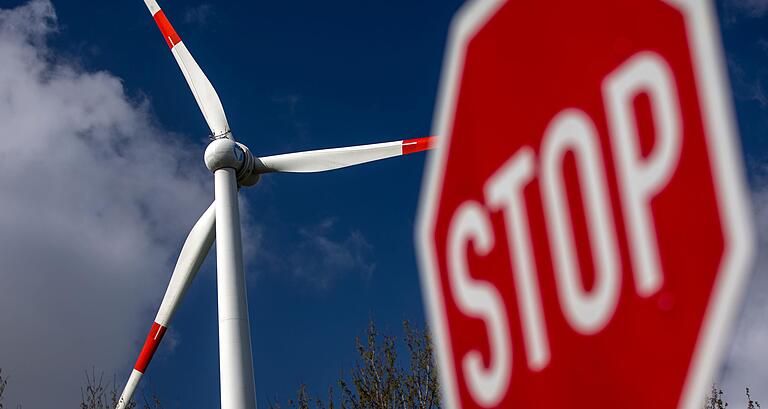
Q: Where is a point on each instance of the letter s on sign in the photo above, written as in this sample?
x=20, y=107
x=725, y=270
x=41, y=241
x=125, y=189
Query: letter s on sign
x=480, y=300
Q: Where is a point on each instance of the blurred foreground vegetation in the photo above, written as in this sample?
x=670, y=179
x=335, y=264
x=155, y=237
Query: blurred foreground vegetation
x=380, y=378
x=716, y=399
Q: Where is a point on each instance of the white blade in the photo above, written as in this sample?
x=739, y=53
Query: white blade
x=205, y=95
x=335, y=158
x=195, y=248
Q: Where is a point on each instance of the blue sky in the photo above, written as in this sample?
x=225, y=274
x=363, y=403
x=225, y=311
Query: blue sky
x=325, y=252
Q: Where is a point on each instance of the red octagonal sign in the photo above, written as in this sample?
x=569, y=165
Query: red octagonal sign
x=584, y=231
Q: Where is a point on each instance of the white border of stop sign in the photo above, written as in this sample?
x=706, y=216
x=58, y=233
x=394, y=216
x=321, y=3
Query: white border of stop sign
x=735, y=213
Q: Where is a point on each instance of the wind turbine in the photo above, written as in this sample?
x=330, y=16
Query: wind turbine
x=233, y=166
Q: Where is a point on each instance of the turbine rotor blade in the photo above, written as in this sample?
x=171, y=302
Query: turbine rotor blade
x=336, y=158
x=193, y=252
x=202, y=89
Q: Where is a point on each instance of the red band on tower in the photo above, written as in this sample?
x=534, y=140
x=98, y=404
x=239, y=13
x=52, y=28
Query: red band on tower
x=418, y=144
x=167, y=29
x=150, y=346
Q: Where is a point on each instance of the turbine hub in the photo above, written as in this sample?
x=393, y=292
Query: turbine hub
x=226, y=153
x=223, y=153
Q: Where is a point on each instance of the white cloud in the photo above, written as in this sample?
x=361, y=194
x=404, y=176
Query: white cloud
x=747, y=361
x=763, y=43
x=747, y=84
x=95, y=200
x=321, y=256
x=198, y=15
x=752, y=8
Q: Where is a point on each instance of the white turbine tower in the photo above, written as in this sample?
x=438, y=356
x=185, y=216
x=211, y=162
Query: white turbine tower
x=233, y=166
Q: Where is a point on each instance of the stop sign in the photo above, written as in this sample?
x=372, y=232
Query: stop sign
x=584, y=231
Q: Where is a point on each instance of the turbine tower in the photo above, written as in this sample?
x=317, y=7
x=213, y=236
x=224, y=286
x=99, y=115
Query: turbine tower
x=233, y=166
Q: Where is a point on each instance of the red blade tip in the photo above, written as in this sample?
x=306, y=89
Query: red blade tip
x=418, y=144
